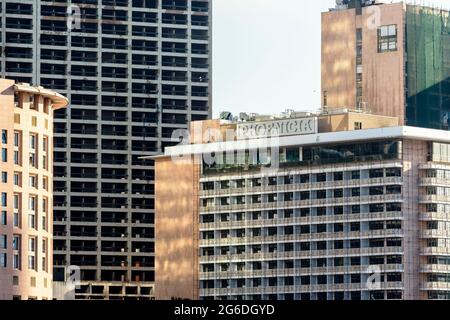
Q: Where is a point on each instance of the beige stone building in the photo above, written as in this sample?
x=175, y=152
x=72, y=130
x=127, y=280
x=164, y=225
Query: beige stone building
x=26, y=166
x=356, y=207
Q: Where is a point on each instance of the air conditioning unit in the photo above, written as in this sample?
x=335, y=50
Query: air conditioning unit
x=138, y=221
x=137, y=236
x=122, y=250
x=138, y=250
x=123, y=221
x=122, y=235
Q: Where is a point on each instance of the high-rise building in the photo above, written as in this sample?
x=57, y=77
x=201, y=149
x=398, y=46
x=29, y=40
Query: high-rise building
x=134, y=71
x=26, y=124
x=391, y=59
x=335, y=206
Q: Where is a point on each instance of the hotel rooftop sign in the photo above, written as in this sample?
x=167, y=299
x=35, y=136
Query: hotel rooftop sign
x=280, y=128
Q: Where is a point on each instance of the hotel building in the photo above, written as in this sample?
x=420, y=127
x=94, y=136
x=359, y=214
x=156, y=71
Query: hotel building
x=26, y=166
x=350, y=206
x=134, y=71
x=390, y=59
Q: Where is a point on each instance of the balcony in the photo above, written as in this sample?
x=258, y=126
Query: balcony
x=84, y=74
x=114, y=235
x=88, y=146
x=84, y=204
x=85, y=248
x=84, y=234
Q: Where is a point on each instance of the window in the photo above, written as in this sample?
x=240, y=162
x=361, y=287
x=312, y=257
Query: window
x=4, y=155
x=16, y=139
x=4, y=177
x=358, y=125
x=4, y=136
x=32, y=262
x=45, y=183
x=32, y=244
x=44, y=205
x=16, y=202
x=16, y=157
x=387, y=38
x=16, y=243
x=33, y=160
x=4, y=199
x=33, y=181
x=3, y=241
x=355, y=175
x=3, y=260
x=32, y=203
x=16, y=219
x=4, y=218
x=16, y=261
x=32, y=141
x=17, y=179
x=31, y=221
x=45, y=144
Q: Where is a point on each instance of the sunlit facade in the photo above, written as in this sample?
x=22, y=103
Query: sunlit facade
x=355, y=213
x=26, y=222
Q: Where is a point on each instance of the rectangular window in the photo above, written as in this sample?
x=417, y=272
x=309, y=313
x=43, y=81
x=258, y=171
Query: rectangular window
x=32, y=203
x=16, y=219
x=32, y=141
x=4, y=154
x=16, y=139
x=16, y=261
x=4, y=199
x=3, y=260
x=45, y=183
x=387, y=38
x=32, y=221
x=16, y=243
x=44, y=162
x=45, y=144
x=4, y=177
x=4, y=136
x=17, y=118
x=16, y=202
x=4, y=218
x=44, y=223
x=17, y=157
x=33, y=160
x=32, y=244
x=3, y=241
x=32, y=179
x=17, y=179
x=32, y=262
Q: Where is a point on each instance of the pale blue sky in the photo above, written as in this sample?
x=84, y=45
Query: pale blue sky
x=266, y=54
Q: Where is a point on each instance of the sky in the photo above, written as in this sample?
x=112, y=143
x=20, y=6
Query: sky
x=266, y=54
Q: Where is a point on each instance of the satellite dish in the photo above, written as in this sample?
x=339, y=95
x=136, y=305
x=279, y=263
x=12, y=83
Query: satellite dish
x=244, y=117
x=226, y=116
